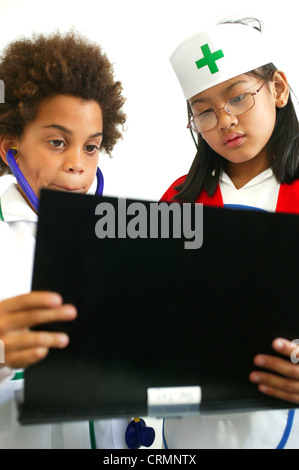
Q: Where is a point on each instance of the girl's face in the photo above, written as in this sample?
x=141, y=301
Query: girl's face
x=242, y=138
x=60, y=148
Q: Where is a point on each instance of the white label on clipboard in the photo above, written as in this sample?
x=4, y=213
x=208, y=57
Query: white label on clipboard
x=173, y=400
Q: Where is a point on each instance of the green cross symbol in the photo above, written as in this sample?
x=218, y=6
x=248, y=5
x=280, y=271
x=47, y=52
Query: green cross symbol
x=209, y=59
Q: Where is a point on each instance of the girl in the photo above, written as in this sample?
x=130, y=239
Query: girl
x=62, y=106
x=240, y=108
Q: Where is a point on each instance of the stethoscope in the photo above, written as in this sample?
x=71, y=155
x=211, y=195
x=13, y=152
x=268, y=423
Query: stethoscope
x=137, y=433
x=31, y=196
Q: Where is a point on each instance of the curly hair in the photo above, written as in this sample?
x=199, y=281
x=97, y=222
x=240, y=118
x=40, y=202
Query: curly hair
x=44, y=66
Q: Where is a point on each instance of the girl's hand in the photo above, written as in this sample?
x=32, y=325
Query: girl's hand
x=22, y=346
x=286, y=385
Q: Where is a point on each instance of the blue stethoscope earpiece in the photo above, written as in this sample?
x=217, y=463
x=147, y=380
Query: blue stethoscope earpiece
x=32, y=198
x=138, y=434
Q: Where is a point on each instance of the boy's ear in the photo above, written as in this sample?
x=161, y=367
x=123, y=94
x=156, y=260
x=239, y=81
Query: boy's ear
x=6, y=143
x=281, y=89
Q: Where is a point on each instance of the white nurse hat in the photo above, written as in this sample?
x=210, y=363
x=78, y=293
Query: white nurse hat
x=218, y=54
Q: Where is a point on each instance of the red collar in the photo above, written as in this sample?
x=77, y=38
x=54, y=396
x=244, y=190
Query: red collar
x=288, y=196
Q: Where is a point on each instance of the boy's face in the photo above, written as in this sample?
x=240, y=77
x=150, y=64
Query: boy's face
x=60, y=148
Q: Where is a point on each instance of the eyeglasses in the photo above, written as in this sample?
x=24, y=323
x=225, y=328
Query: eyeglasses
x=236, y=106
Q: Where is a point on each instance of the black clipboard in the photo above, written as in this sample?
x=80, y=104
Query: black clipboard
x=153, y=315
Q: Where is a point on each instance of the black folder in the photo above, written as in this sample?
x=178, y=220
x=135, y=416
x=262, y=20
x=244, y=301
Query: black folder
x=154, y=315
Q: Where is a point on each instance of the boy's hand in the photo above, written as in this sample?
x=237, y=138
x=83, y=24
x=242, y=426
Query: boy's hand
x=22, y=346
x=283, y=380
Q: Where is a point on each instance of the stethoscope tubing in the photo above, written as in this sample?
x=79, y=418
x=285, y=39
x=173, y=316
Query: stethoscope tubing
x=32, y=198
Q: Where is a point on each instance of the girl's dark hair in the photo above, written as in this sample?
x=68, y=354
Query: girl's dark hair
x=284, y=144
x=39, y=68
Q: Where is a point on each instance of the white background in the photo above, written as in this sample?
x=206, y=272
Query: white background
x=138, y=37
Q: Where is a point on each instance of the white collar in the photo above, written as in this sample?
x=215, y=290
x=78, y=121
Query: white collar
x=14, y=207
x=256, y=180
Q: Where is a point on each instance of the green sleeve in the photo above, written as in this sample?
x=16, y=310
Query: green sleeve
x=1, y=215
